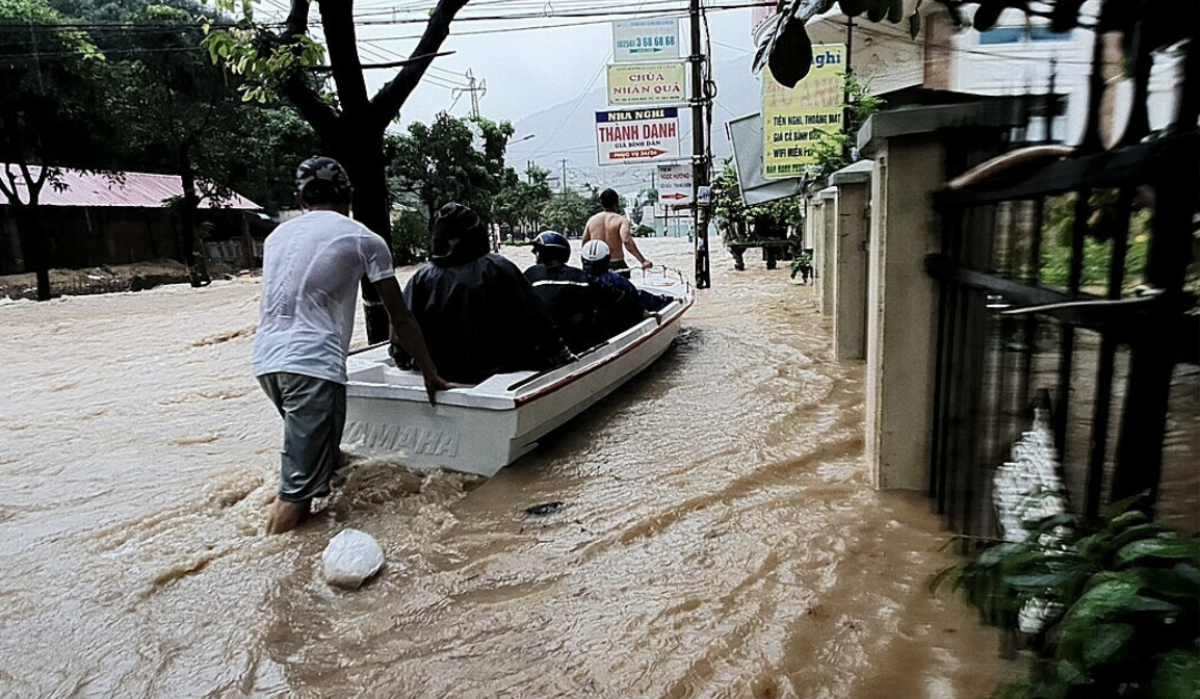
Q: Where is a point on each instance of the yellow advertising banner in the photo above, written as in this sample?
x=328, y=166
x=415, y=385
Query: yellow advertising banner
x=646, y=83
x=794, y=119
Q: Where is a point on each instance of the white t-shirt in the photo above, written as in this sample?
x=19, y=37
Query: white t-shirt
x=311, y=269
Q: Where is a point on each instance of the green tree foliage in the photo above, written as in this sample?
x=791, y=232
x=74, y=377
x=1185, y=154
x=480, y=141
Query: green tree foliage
x=1097, y=246
x=352, y=123
x=56, y=112
x=1121, y=598
x=519, y=204
x=410, y=238
x=170, y=95
x=833, y=148
x=568, y=212
x=452, y=159
x=733, y=216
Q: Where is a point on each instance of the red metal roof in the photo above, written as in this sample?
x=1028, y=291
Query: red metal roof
x=127, y=189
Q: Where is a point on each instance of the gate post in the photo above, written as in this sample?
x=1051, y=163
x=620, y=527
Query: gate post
x=850, y=260
x=911, y=148
x=825, y=259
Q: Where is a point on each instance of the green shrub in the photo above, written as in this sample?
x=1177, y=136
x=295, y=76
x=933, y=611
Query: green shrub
x=1120, y=601
x=410, y=239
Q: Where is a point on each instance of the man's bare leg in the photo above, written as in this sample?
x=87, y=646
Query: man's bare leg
x=285, y=516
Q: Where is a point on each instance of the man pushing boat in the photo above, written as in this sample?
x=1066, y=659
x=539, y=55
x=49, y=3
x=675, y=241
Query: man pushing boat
x=311, y=270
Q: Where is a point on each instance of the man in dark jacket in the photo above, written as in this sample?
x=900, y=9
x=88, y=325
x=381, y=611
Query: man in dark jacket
x=475, y=308
x=563, y=291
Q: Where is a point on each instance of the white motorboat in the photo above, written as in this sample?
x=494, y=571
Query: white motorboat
x=484, y=428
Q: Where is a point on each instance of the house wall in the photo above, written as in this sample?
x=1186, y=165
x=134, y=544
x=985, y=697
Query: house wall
x=92, y=236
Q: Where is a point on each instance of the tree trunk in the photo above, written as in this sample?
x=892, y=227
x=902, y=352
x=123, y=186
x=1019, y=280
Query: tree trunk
x=248, y=259
x=362, y=155
x=33, y=245
x=187, y=216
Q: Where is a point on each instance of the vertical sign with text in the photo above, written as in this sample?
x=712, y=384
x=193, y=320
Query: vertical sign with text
x=793, y=120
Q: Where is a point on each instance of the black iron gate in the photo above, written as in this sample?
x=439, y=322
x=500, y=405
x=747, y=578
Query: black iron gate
x=1068, y=279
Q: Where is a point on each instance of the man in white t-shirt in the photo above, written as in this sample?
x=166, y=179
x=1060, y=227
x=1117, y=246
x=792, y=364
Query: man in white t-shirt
x=311, y=271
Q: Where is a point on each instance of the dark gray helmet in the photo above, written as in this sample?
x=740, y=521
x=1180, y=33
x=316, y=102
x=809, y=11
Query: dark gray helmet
x=321, y=180
x=552, y=245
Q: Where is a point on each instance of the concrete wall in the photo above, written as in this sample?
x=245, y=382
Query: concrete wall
x=815, y=223
x=902, y=304
x=825, y=244
x=850, y=272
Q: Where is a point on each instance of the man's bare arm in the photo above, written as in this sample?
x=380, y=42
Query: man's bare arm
x=627, y=239
x=407, y=332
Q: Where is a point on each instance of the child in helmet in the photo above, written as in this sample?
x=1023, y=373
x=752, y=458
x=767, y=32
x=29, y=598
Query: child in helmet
x=620, y=304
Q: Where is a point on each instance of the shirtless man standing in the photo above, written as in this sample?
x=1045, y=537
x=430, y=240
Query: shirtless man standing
x=614, y=230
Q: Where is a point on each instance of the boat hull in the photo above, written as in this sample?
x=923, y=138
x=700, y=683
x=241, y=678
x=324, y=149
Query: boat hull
x=485, y=428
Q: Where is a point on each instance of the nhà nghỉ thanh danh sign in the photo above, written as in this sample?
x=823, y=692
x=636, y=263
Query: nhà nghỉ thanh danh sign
x=646, y=83
x=626, y=136
x=645, y=39
x=795, y=119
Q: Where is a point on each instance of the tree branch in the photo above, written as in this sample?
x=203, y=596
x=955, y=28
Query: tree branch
x=297, y=20
x=387, y=102
x=35, y=184
x=10, y=194
x=321, y=115
x=337, y=18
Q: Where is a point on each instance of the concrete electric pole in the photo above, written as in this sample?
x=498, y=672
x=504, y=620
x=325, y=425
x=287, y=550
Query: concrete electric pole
x=699, y=150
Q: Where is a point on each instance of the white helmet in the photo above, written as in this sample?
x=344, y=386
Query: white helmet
x=594, y=250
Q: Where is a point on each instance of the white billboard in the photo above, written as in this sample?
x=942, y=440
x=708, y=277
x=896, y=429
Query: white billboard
x=675, y=184
x=627, y=136
x=646, y=83
x=651, y=39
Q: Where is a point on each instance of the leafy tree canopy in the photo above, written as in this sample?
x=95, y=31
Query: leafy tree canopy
x=452, y=159
x=568, y=212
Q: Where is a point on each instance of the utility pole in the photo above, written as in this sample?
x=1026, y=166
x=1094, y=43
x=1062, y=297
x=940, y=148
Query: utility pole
x=846, y=126
x=699, y=151
x=563, y=182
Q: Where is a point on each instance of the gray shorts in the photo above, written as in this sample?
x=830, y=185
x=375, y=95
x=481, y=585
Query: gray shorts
x=314, y=414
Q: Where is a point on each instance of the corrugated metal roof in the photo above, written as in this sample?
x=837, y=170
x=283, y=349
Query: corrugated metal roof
x=126, y=189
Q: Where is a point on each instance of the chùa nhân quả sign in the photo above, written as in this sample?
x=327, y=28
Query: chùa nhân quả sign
x=646, y=83
x=625, y=136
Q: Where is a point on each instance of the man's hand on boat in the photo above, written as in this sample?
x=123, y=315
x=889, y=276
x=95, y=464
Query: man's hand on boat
x=435, y=383
x=647, y=264
x=406, y=334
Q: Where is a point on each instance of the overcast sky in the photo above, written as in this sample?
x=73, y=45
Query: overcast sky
x=528, y=64
x=526, y=70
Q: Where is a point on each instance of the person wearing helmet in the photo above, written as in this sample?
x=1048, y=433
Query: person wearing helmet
x=563, y=290
x=478, y=312
x=312, y=266
x=615, y=231
x=620, y=304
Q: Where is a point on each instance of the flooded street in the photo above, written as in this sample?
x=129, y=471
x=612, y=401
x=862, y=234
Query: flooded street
x=719, y=536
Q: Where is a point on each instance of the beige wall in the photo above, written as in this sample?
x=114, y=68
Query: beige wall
x=902, y=307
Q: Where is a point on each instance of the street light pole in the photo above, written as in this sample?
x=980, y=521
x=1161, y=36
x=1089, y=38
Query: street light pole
x=699, y=153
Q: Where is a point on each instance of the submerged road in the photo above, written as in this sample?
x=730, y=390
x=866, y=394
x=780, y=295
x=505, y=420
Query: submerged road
x=719, y=537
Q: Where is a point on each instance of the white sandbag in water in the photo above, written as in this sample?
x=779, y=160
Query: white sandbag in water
x=351, y=558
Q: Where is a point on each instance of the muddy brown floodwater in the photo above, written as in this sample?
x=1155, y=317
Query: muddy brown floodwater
x=719, y=537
